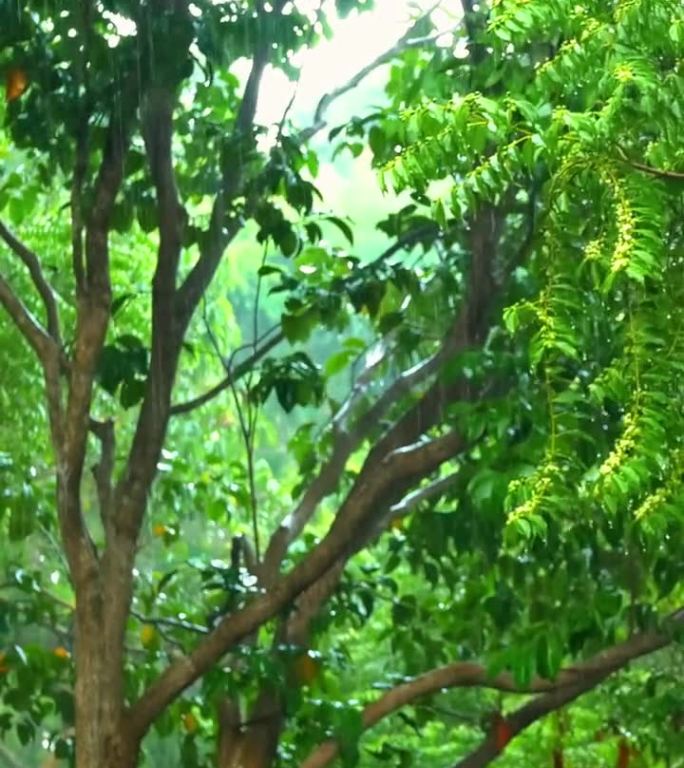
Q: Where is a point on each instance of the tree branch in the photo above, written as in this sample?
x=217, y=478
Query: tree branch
x=590, y=674
x=186, y=626
x=234, y=375
x=91, y=328
x=220, y=232
x=103, y=470
x=469, y=327
x=325, y=482
x=47, y=351
x=405, y=42
x=657, y=172
x=568, y=685
x=29, y=327
x=309, y=603
x=133, y=486
x=410, y=502
x=353, y=519
x=32, y=263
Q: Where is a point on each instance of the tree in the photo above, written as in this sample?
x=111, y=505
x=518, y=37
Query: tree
x=517, y=418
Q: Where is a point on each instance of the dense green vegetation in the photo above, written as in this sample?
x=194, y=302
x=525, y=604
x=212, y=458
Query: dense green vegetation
x=283, y=487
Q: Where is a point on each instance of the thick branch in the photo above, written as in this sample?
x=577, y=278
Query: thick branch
x=350, y=525
x=221, y=232
x=569, y=684
x=346, y=441
x=309, y=602
x=591, y=673
x=327, y=479
x=469, y=328
x=32, y=262
x=132, y=489
x=91, y=328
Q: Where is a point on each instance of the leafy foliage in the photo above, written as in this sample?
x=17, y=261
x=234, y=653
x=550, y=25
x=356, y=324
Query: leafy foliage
x=525, y=318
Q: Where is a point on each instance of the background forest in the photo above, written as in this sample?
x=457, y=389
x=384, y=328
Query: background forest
x=342, y=383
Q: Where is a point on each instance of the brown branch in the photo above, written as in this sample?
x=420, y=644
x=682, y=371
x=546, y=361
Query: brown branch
x=221, y=232
x=327, y=479
x=235, y=374
x=657, y=172
x=346, y=442
x=91, y=328
x=103, y=470
x=309, y=602
x=133, y=486
x=47, y=351
x=469, y=328
x=350, y=525
x=590, y=673
x=32, y=263
x=29, y=327
x=297, y=627
x=77, y=217
x=167, y=335
x=568, y=685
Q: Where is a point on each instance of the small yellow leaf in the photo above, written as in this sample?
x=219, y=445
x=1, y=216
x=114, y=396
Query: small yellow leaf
x=148, y=634
x=190, y=722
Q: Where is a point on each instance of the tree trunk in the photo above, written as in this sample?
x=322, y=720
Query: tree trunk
x=102, y=738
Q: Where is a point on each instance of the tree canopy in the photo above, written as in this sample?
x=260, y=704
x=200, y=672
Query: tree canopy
x=285, y=487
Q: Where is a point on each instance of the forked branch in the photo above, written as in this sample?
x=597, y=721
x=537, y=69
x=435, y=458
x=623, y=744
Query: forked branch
x=32, y=263
x=353, y=520
x=29, y=327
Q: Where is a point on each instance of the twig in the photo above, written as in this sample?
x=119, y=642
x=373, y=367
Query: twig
x=234, y=374
x=405, y=42
x=411, y=501
x=187, y=626
x=658, y=172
